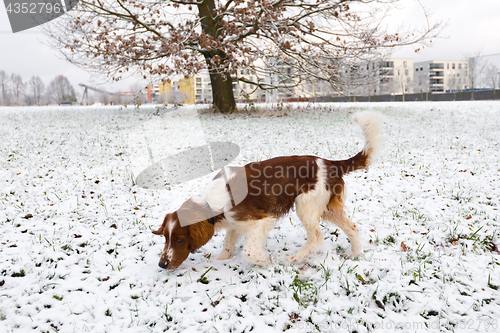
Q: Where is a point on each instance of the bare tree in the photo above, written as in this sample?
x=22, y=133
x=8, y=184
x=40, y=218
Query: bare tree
x=476, y=65
x=454, y=83
x=18, y=88
x=402, y=81
x=5, y=87
x=420, y=83
x=492, y=76
x=36, y=89
x=60, y=90
x=161, y=38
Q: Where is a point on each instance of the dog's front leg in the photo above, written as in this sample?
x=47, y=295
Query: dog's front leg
x=254, y=251
x=232, y=237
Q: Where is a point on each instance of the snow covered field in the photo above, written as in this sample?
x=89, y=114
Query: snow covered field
x=77, y=253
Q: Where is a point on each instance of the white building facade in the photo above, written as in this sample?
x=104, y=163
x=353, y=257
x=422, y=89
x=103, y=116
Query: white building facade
x=440, y=76
x=395, y=76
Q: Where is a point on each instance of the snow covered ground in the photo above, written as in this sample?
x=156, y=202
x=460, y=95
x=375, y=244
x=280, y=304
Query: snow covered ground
x=77, y=253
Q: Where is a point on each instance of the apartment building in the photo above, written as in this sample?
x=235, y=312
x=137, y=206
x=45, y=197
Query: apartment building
x=380, y=77
x=395, y=76
x=203, y=88
x=439, y=76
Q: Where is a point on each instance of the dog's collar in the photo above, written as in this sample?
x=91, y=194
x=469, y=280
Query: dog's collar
x=211, y=220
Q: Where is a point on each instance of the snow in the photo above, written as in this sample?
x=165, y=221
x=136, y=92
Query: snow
x=77, y=253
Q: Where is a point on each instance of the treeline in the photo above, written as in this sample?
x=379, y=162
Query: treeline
x=15, y=91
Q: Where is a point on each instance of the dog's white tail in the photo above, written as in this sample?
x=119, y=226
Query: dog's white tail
x=370, y=123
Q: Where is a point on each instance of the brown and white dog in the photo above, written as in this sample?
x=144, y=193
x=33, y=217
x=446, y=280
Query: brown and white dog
x=272, y=187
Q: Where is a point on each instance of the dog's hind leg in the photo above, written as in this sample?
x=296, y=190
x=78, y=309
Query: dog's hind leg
x=336, y=215
x=232, y=237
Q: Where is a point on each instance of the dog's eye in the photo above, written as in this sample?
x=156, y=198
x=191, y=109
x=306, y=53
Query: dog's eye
x=179, y=240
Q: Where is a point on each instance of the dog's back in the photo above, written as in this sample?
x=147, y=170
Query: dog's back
x=274, y=185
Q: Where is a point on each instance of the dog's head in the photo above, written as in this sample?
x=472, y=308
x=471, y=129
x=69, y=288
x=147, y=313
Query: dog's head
x=179, y=240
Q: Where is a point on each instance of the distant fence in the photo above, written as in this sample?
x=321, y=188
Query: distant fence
x=458, y=96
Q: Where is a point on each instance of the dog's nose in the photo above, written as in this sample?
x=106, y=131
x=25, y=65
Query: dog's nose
x=163, y=265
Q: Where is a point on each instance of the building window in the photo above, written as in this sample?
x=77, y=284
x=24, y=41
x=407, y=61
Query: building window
x=452, y=66
x=416, y=69
x=459, y=66
x=436, y=66
x=198, y=80
x=448, y=66
x=406, y=72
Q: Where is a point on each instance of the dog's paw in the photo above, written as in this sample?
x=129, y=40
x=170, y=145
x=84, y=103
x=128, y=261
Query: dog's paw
x=351, y=254
x=224, y=255
x=297, y=257
x=261, y=260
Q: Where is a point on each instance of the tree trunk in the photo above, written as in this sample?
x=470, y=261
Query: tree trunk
x=222, y=85
x=222, y=89
x=472, y=86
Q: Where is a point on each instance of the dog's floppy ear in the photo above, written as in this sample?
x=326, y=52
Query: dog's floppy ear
x=160, y=231
x=199, y=234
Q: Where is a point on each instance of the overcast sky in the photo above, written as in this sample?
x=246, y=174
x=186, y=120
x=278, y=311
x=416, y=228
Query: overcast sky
x=472, y=26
